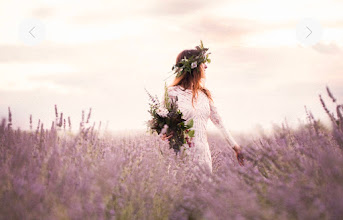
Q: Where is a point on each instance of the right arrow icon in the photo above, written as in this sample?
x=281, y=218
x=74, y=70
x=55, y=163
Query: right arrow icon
x=308, y=32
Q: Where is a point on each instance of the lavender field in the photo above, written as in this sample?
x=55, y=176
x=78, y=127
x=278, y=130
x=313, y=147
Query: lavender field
x=50, y=172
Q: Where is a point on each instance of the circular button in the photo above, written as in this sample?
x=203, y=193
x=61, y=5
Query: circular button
x=308, y=31
x=32, y=31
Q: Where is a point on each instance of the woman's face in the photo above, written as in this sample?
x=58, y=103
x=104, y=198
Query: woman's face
x=204, y=66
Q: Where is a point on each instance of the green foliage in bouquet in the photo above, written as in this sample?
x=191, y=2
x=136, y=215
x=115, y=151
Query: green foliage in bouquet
x=167, y=119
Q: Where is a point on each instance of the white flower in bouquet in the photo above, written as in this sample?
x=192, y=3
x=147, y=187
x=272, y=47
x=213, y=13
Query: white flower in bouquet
x=162, y=111
x=168, y=117
x=164, y=129
x=194, y=64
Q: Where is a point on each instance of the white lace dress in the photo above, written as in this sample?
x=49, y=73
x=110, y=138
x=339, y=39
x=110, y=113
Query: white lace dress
x=202, y=111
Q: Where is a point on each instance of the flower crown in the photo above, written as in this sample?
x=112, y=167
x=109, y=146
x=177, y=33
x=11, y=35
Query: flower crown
x=187, y=65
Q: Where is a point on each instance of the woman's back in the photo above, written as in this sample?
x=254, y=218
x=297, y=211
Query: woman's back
x=190, y=72
x=203, y=110
x=200, y=113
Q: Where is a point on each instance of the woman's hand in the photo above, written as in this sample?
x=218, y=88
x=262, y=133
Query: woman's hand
x=166, y=138
x=239, y=155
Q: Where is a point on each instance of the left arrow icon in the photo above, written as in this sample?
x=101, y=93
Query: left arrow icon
x=32, y=31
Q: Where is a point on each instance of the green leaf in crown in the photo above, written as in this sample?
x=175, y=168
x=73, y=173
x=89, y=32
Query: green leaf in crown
x=186, y=66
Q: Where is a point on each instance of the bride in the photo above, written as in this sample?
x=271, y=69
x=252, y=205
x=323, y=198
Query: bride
x=195, y=102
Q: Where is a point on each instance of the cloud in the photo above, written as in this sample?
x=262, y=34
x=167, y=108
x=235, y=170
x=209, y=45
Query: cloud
x=331, y=48
x=78, y=54
x=117, y=11
x=24, y=54
x=179, y=7
x=151, y=9
x=43, y=12
x=265, y=69
x=80, y=81
x=228, y=30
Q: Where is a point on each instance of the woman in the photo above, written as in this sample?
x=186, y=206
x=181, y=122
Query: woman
x=195, y=102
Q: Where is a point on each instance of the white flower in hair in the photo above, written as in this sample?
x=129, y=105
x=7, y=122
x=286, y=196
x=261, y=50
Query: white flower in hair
x=162, y=111
x=194, y=64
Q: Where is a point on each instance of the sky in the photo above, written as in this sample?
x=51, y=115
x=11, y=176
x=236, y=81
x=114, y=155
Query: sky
x=102, y=54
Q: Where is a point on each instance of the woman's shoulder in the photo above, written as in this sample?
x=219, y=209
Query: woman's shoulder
x=178, y=91
x=174, y=88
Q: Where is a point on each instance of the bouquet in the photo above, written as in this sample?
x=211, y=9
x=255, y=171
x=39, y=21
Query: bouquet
x=167, y=119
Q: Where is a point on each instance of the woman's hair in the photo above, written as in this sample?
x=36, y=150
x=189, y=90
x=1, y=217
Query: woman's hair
x=191, y=81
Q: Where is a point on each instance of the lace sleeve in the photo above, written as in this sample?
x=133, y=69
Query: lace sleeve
x=217, y=121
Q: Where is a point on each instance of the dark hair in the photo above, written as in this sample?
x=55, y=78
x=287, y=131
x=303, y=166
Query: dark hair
x=191, y=80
